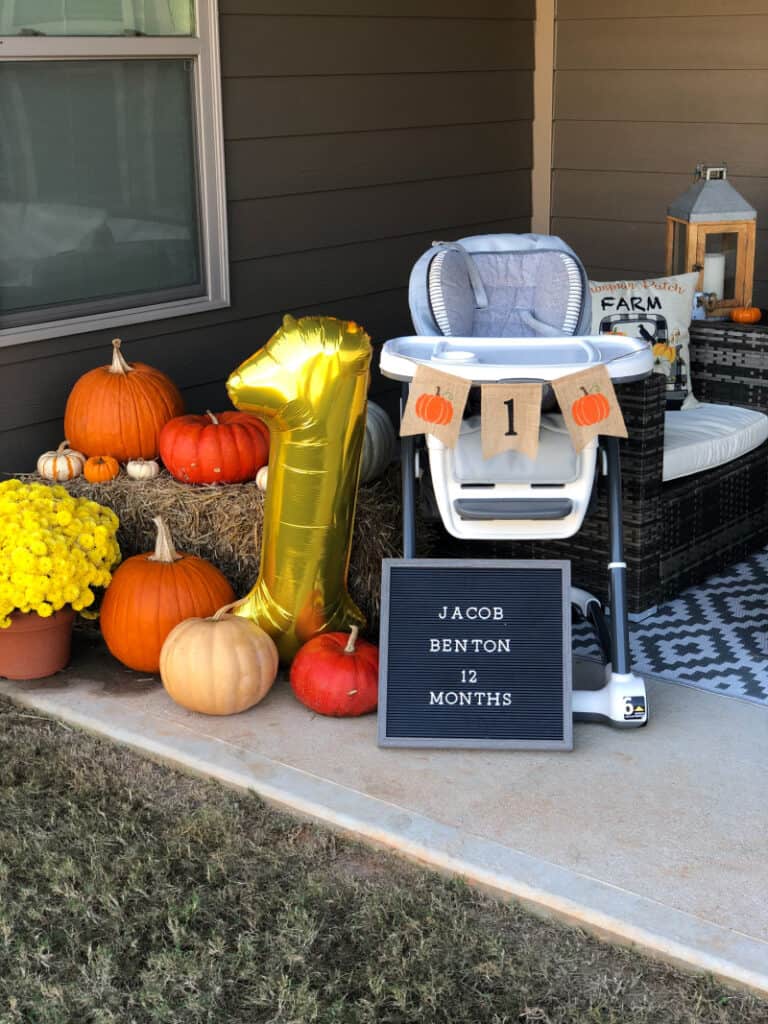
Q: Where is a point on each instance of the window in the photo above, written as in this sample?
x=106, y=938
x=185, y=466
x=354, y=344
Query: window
x=112, y=204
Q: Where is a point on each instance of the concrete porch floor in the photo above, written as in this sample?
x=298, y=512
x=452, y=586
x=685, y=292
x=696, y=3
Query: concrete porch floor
x=657, y=837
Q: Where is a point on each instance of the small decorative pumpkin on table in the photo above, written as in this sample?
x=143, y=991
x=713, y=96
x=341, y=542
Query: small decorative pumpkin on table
x=152, y=593
x=337, y=674
x=121, y=409
x=63, y=464
x=220, y=665
x=100, y=468
x=746, y=315
x=221, y=448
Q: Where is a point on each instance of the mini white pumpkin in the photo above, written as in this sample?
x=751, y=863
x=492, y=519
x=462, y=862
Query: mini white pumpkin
x=142, y=469
x=63, y=464
x=380, y=444
x=261, y=478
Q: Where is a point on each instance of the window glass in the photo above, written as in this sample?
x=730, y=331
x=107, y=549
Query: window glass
x=98, y=187
x=97, y=17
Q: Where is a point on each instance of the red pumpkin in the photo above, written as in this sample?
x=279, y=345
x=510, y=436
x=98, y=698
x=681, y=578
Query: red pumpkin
x=150, y=594
x=120, y=409
x=226, y=448
x=434, y=408
x=337, y=674
x=591, y=408
x=746, y=314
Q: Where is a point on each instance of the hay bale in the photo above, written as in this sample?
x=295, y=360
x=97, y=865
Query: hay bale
x=223, y=523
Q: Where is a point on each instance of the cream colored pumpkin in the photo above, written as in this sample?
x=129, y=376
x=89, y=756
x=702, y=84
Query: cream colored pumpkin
x=379, y=445
x=142, y=469
x=218, y=666
x=63, y=464
x=262, y=477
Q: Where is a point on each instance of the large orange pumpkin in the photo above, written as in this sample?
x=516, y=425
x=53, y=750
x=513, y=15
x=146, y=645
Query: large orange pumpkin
x=120, y=409
x=151, y=593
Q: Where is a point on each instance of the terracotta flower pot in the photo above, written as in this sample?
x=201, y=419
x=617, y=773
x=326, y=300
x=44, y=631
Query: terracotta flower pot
x=33, y=647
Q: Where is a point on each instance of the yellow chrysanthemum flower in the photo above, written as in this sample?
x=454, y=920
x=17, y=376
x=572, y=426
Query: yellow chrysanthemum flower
x=53, y=549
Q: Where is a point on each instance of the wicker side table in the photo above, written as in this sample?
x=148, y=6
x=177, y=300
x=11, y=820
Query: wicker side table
x=729, y=363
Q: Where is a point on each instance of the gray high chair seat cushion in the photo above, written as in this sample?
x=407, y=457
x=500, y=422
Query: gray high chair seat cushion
x=500, y=286
x=528, y=295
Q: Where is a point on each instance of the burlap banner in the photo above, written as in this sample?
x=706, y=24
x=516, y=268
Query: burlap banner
x=510, y=415
x=589, y=405
x=435, y=405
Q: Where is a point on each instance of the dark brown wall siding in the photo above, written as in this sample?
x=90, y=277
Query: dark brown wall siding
x=639, y=101
x=357, y=131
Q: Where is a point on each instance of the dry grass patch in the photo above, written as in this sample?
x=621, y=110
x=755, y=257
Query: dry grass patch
x=132, y=894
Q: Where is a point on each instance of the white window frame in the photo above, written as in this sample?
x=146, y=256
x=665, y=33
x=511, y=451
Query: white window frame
x=202, y=50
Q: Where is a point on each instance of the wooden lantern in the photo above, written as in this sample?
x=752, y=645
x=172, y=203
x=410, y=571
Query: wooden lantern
x=711, y=229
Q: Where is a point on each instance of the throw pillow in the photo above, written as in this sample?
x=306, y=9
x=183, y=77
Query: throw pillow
x=659, y=311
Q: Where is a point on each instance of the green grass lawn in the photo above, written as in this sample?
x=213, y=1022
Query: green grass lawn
x=132, y=893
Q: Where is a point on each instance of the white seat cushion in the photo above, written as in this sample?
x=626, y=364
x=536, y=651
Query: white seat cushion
x=708, y=436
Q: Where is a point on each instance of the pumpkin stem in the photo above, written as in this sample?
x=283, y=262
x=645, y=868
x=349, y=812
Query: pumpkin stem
x=164, y=549
x=437, y=390
x=227, y=608
x=214, y=419
x=62, y=446
x=350, y=648
x=584, y=389
x=119, y=365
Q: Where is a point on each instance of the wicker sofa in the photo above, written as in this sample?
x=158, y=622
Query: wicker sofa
x=680, y=532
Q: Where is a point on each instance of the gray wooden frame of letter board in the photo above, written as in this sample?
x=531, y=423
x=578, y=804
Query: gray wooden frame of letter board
x=512, y=634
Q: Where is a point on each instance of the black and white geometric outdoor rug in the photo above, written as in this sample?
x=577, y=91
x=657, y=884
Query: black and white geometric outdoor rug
x=714, y=636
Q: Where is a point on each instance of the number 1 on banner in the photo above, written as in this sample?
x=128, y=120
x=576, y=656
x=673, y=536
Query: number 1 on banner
x=509, y=418
x=510, y=404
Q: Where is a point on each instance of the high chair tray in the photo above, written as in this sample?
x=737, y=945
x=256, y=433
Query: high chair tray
x=482, y=360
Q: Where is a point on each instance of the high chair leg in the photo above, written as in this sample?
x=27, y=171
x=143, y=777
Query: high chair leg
x=408, y=472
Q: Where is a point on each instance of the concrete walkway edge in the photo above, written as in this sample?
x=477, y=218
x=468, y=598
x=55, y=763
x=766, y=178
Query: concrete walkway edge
x=609, y=911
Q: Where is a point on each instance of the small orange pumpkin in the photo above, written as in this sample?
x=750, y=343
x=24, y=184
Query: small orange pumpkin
x=746, y=314
x=592, y=407
x=434, y=408
x=100, y=468
x=151, y=593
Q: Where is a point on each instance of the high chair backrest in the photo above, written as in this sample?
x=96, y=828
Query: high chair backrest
x=500, y=286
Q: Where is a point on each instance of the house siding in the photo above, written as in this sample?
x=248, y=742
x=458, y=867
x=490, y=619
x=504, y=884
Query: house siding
x=639, y=101
x=355, y=134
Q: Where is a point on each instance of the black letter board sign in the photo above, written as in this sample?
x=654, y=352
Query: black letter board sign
x=475, y=654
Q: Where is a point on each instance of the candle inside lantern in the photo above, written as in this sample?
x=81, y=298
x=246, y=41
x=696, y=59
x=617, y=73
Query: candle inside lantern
x=714, y=273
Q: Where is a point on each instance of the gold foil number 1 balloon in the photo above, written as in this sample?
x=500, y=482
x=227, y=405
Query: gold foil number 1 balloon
x=310, y=383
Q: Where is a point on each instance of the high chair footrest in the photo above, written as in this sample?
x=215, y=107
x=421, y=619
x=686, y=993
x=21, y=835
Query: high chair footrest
x=513, y=508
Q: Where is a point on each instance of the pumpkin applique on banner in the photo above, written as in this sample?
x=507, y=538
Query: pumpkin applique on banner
x=510, y=416
x=589, y=405
x=435, y=405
